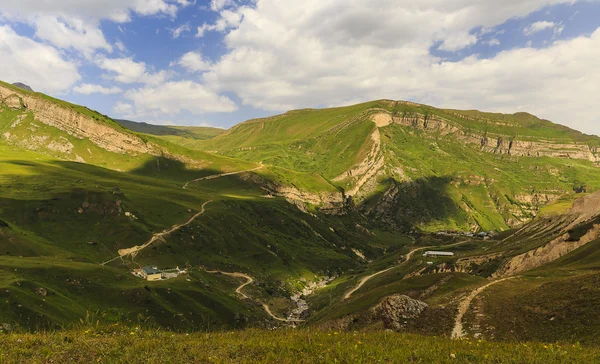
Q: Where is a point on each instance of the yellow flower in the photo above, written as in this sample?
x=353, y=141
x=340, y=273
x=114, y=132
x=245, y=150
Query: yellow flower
x=132, y=333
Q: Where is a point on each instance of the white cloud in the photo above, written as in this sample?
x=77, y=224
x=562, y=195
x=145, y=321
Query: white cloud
x=120, y=46
x=126, y=70
x=558, y=29
x=493, y=42
x=538, y=26
x=76, y=23
x=180, y=30
x=559, y=83
x=312, y=53
x=217, y=5
x=194, y=62
x=88, y=89
x=71, y=33
x=173, y=97
x=123, y=109
x=457, y=42
x=38, y=65
x=228, y=19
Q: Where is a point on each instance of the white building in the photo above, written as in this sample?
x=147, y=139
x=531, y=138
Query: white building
x=436, y=254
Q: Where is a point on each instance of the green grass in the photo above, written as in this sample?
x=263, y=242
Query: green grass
x=172, y=132
x=54, y=209
x=122, y=345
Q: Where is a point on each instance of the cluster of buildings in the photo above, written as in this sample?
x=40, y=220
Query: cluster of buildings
x=152, y=273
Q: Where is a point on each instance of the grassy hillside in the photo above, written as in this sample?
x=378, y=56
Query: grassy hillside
x=119, y=345
x=172, y=132
x=344, y=195
x=60, y=220
x=430, y=179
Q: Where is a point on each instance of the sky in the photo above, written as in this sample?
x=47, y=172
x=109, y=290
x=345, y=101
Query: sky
x=220, y=62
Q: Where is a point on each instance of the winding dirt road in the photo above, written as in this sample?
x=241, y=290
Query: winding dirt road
x=136, y=249
x=250, y=280
x=408, y=257
x=222, y=175
x=463, y=307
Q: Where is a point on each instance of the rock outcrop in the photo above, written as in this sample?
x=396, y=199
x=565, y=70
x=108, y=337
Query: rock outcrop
x=74, y=123
x=582, y=227
x=395, y=310
x=498, y=143
x=332, y=203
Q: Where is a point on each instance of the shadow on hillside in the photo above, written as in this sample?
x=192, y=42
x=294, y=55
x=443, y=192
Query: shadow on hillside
x=411, y=204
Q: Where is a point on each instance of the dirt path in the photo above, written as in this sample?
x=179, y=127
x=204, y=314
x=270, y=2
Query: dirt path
x=222, y=175
x=408, y=257
x=249, y=280
x=463, y=307
x=136, y=249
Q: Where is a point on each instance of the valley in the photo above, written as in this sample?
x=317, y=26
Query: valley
x=336, y=203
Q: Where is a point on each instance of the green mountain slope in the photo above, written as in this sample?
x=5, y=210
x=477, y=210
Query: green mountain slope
x=168, y=131
x=412, y=165
x=544, y=283
x=332, y=208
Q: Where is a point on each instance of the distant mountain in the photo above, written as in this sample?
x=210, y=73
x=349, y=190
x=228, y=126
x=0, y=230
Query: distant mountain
x=23, y=86
x=188, y=132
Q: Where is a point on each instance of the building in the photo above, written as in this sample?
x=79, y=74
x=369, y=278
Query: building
x=151, y=273
x=435, y=254
x=172, y=273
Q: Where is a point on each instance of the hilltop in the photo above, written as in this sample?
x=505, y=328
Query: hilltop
x=457, y=170
x=315, y=218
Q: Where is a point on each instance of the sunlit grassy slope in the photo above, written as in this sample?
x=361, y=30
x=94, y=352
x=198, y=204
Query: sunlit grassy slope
x=441, y=181
x=119, y=345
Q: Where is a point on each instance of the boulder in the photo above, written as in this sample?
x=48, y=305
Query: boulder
x=394, y=310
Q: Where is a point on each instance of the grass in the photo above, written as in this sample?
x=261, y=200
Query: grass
x=122, y=345
x=52, y=210
x=60, y=219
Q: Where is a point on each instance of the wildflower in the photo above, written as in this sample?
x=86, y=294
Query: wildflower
x=453, y=356
x=132, y=333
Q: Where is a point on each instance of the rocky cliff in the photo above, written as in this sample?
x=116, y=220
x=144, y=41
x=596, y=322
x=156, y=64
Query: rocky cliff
x=74, y=123
x=497, y=143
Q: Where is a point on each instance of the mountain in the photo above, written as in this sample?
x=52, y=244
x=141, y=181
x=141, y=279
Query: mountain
x=409, y=165
x=184, y=132
x=23, y=86
x=538, y=282
x=318, y=218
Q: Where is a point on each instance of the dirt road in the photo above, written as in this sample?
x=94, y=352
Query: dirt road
x=249, y=280
x=408, y=257
x=136, y=249
x=222, y=175
x=463, y=307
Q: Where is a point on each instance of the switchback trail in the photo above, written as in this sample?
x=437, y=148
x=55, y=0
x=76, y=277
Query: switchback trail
x=222, y=175
x=249, y=280
x=463, y=307
x=408, y=256
x=136, y=249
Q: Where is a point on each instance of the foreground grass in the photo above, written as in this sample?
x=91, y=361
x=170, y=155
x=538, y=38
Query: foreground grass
x=280, y=346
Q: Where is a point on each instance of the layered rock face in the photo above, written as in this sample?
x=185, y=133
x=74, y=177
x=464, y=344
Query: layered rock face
x=74, y=123
x=497, y=143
